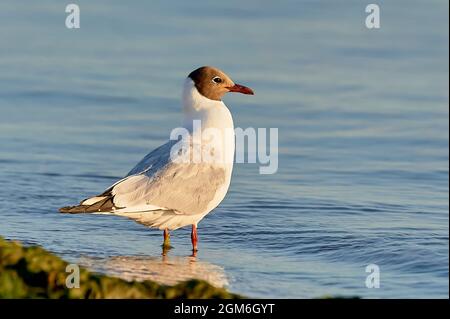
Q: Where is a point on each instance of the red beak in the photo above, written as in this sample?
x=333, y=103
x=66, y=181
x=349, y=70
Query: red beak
x=241, y=89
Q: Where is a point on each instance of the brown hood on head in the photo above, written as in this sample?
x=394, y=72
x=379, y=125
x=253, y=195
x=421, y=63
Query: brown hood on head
x=212, y=83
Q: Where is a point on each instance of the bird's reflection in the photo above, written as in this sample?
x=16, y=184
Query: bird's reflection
x=165, y=251
x=165, y=269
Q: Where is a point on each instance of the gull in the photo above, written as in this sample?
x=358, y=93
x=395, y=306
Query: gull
x=166, y=191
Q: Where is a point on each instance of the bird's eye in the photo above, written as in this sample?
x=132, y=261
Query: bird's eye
x=217, y=79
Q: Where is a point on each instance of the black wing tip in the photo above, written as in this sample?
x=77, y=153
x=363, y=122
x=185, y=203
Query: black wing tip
x=65, y=209
x=72, y=209
x=103, y=205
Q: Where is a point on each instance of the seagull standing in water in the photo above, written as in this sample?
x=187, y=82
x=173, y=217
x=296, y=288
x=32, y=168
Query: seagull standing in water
x=165, y=193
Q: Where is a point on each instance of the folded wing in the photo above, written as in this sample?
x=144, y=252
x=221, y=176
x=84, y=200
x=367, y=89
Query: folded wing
x=158, y=184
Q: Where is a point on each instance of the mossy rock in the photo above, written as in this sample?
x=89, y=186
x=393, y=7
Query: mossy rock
x=33, y=272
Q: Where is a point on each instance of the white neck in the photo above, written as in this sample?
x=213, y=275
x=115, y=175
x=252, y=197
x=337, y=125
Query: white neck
x=211, y=113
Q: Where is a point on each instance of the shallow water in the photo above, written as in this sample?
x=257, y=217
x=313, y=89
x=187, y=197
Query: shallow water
x=363, y=137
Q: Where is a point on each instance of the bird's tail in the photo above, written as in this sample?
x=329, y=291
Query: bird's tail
x=96, y=204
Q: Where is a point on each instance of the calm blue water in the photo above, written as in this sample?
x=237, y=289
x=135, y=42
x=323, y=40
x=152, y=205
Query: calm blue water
x=363, y=124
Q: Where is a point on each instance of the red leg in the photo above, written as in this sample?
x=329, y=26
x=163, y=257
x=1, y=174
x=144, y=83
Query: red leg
x=194, y=238
x=166, y=243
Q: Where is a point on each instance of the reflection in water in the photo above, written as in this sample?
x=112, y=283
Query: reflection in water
x=167, y=270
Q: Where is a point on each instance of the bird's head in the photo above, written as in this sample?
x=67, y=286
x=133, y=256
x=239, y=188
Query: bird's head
x=213, y=83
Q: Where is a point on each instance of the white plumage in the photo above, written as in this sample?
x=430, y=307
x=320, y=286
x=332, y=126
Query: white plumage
x=163, y=190
x=161, y=193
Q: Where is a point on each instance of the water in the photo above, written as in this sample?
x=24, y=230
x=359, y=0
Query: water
x=363, y=134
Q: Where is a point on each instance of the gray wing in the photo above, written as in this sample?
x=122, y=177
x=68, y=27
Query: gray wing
x=157, y=183
x=154, y=160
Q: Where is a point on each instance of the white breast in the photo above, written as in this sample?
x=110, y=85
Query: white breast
x=216, y=116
